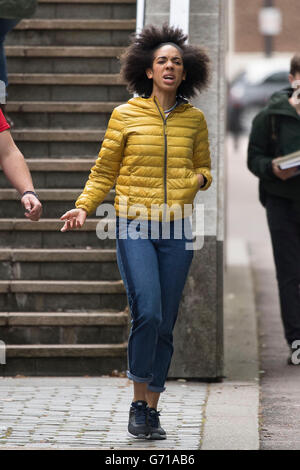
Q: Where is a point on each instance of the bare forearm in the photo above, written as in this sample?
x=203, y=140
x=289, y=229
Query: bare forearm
x=16, y=171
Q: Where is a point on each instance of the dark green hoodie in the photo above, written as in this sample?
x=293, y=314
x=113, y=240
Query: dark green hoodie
x=261, y=149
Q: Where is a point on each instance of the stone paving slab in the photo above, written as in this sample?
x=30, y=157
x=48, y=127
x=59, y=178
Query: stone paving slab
x=92, y=412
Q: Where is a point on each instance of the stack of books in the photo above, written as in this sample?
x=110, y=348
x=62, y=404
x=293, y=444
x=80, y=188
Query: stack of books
x=289, y=161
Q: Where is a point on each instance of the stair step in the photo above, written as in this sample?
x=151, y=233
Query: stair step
x=61, y=301
x=62, y=330
x=88, y=1
x=60, y=164
x=64, y=115
x=51, y=174
x=86, y=10
x=75, y=32
x=61, y=107
x=50, y=264
x=63, y=59
x=64, y=51
x=21, y=233
x=76, y=25
x=52, y=255
x=44, y=194
x=85, y=145
x=58, y=135
x=48, y=225
x=58, y=287
x=55, y=201
x=68, y=93
x=65, y=79
x=66, y=350
x=62, y=319
x=49, y=195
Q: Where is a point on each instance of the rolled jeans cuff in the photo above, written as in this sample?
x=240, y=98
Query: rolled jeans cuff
x=139, y=379
x=152, y=388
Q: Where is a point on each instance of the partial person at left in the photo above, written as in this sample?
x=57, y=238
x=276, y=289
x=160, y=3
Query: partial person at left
x=17, y=172
x=11, y=13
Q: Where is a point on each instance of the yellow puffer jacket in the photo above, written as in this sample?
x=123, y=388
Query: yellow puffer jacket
x=152, y=159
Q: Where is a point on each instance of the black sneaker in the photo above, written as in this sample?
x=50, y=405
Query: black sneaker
x=155, y=429
x=137, y=424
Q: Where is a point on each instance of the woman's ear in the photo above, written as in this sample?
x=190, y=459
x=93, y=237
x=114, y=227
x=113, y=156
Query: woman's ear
x=149, y=73
x=184, y=75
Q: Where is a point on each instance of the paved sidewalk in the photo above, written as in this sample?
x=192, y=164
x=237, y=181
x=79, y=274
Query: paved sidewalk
x=66, y=413
x=279, y=426
x=280, y=402
x=231, y=415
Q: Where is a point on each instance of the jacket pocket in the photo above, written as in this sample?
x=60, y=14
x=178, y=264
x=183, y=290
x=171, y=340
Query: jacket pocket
x=192, y=176
x=196, y=181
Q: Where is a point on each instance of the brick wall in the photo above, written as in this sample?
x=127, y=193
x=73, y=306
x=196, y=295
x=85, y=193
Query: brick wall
x=247, y=37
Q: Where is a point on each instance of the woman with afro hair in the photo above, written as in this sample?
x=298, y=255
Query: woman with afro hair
x=156, y=152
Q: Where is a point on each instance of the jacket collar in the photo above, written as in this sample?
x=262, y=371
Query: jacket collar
x=151, y=103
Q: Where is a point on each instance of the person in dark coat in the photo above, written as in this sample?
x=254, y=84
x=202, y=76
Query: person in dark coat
x=276, y=132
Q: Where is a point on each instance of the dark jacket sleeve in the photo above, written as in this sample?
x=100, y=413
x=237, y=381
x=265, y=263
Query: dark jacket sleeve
x=259, y=149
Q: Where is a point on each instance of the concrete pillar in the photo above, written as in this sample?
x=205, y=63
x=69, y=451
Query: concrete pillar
x=157, y=11
x=198, y=334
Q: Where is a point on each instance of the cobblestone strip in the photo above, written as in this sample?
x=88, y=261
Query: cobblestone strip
x=93, y=413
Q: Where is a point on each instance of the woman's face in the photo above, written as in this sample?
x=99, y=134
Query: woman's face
x=167, y=69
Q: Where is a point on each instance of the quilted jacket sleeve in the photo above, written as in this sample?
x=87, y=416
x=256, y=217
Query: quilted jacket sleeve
x=201, y=156
x=106, y=169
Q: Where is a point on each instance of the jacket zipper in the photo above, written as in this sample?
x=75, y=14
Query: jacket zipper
x=165, y=153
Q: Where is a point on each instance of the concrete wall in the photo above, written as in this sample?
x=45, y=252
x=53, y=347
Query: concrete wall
x=198, y=334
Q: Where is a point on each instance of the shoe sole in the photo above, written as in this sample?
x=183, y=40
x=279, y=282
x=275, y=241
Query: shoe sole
x=156, y=437
x=139, y=436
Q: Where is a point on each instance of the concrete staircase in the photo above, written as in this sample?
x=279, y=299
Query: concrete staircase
x=63, y=308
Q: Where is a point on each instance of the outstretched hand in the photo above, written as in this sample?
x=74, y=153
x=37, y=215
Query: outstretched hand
x=74, y=218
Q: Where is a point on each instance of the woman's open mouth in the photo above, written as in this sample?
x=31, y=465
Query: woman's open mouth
x=169, y=79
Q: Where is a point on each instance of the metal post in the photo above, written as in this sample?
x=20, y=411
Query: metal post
x=140, y=15
x=268, y=39
x=179, y=14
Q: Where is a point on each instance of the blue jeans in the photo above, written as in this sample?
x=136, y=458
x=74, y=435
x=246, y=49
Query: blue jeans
x=6, y=25
x=154, y=270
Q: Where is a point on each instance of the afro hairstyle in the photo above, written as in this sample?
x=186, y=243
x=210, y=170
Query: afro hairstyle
x=140, y=53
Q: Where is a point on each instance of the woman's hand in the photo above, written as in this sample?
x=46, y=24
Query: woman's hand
x=74, y=218
x=200, y=179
